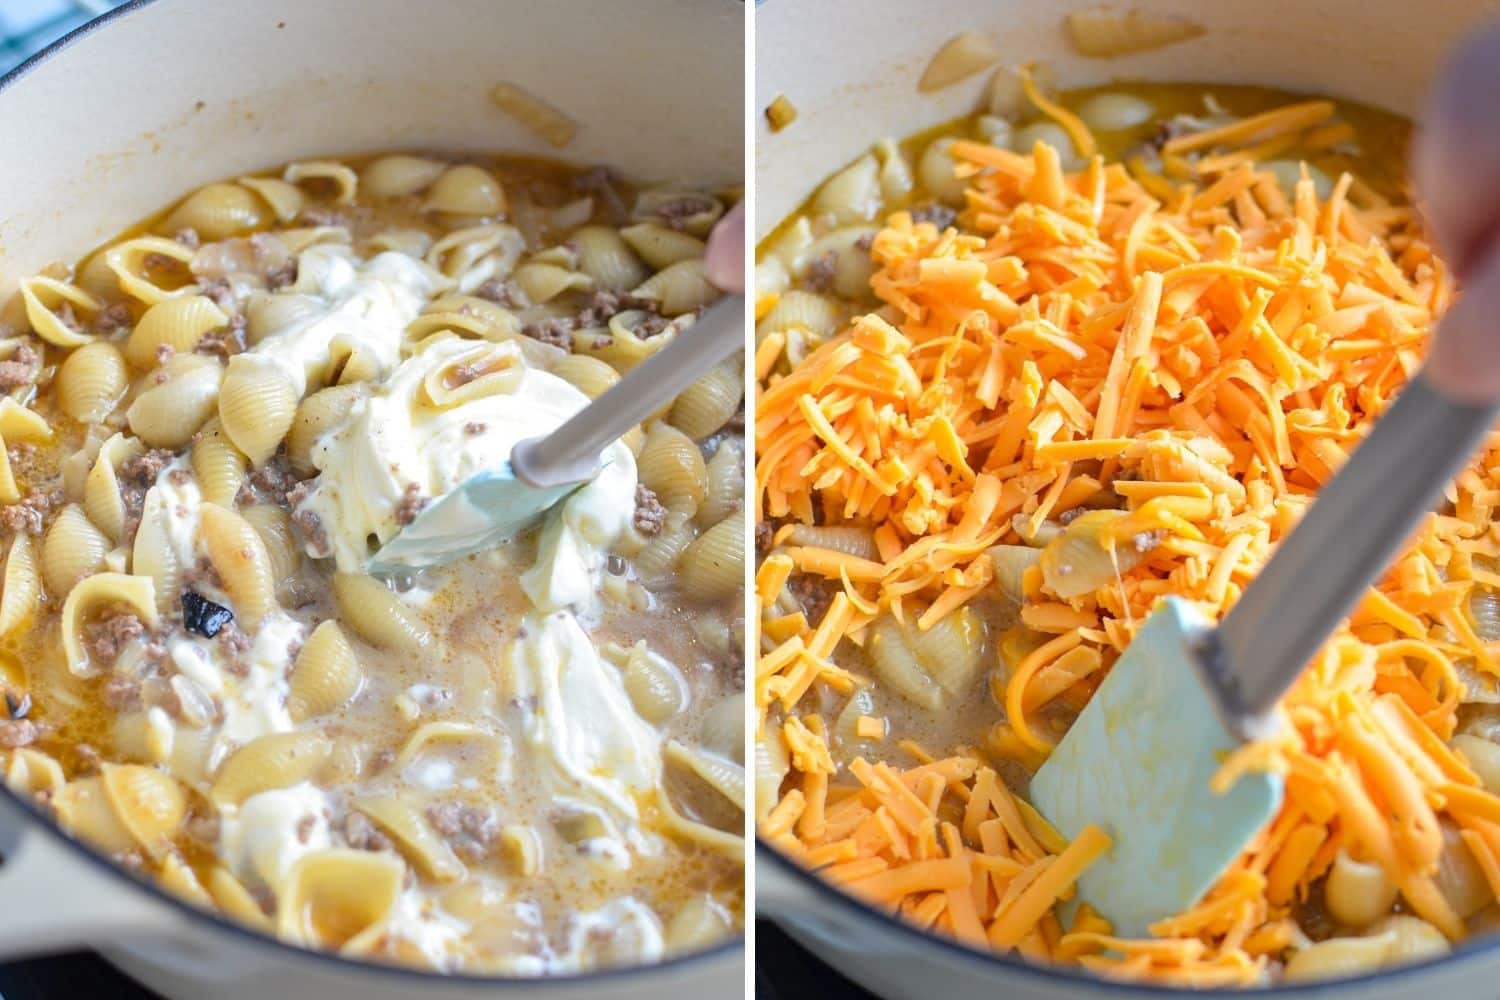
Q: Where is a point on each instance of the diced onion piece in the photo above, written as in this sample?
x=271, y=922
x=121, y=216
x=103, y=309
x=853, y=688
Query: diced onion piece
x=1108, y=31
x=961, y=58
x=534, y=113
x=780, y=113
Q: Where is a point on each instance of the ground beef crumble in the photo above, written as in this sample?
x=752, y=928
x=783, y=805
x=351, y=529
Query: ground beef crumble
x=225, y=341
x=469, y=830
x=676, y=213
x=362, y=835
x=763, y=535
x=20, y=368
x=121, y=694
x=114, y=319
x=650, y=515
x=936, y=213
x=412, y=502
x=28, y=516
x=17, y=733
x=476, y=427
x=309, y=524
x=188, y=237
x=821, y=271
x=814, y=594
x=104, y=639
x=555, y=331
x=503, y=293
x=272, y=483
x=219, y=291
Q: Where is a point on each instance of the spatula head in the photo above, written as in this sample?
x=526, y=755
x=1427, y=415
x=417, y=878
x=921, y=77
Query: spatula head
x=1137, y=762
x=484, y=510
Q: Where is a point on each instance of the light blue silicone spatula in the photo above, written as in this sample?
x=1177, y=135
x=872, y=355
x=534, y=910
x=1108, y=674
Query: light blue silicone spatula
x=1139, y=758
x=493, y=505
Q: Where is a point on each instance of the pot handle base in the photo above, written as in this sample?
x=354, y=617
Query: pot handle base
x=57, y=900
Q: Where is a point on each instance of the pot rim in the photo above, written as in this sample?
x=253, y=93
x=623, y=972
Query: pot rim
x=1077, y=978
x=333, y=961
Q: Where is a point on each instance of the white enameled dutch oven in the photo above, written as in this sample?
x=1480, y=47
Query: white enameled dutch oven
x=160, y=96
x=850, y=67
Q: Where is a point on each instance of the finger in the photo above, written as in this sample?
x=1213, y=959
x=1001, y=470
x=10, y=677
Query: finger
x=726, y=251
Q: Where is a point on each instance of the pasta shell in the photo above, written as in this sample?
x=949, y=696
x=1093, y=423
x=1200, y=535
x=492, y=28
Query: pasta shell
x=22, y=592
x=400, y=820
x=680, y=288
x=283, y=198
x=236, y=551
x=723, y=728
x=169, y=413
x=952, y=650
x=661, y=246
x=103, y=590
x=626, y=343
x=700, y=923
x=1482, y=755
x=689, y=211
x=234, y=900
x=1011, y=563
x=816, y=315
x=83, y=809
x=589, y=376
x=852, y=194
x=177, y=324
x=218, y=466
x=43, y=299
x=1079, y=562
x=604, y=256
x=315, y=416
x=91, y=382
x=101, y=488
x=851, y=539
x=1460, y=878
x=706, y=405
x=1358, y=893
x=329, y=173
x=467, y=315
x=276, y=760
x=713, y=566
x=543, y=282
x=71, y=550
x=672, y=467
x=657, y=560
x=339, y=899
x=725, y=491
x=725, y=777
x=476, y=372
x=149, y=803
x=133, y=262
x=256, y=406
x=274, y=527
x=325, y=676
x=1414, y=939
x=153, y=555
x=939, y=173
x=1340, y=956
x=28, y=772
x=271, y=312
x=654, y=686
x=398, y=176
x=539, y=117
x=219, y=211
x=845, y=728
x=852, y=266
x=466, y=190
x=376, y=615
x=475, y=255
x=771, y=767
x=896, y=665
x=177, y=878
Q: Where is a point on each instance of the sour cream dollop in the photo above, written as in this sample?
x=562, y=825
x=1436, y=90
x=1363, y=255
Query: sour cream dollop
x=453, y=409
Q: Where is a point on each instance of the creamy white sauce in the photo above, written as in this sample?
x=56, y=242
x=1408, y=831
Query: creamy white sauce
x=270, y=832
x=397, y=438
x=580, y=728
x=364, y=308
x=253, y=704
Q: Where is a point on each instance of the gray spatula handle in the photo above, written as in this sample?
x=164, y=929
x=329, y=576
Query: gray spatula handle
x=570, y=454
x=1360, y=521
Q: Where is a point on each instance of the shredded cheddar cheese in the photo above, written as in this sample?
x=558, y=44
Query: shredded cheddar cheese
x=1202, y=352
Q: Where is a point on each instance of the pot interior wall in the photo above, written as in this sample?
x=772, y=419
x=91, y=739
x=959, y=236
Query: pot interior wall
x=179, y=92
x=864, y=87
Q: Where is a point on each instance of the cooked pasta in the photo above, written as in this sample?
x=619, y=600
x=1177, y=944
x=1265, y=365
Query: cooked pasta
x=1021, y=377
x=209, y=427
